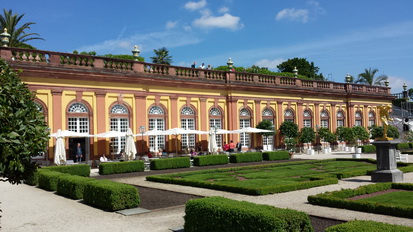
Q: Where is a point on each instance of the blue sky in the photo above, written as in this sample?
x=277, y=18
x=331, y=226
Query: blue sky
x=340, y=36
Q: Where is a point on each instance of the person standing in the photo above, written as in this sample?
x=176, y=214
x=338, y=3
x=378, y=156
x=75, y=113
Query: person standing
x=239, y=146
x=79, y=153
x=231, y=146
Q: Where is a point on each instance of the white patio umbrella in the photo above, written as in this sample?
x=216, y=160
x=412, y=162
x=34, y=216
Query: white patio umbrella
x=251, y=130
x=181, y=131
x=60, y=151
x=111, y=134
x=130, y=148
x=67, y=133
x=212, y=143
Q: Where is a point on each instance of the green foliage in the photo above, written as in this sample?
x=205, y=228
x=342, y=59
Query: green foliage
x=263, y=71
x=377, y=132
x=409, y=137
x=266, y=125
x=360, y=133
x=121, y=167
x=125, y=57
x=110, y=196
x=48, y=179
x=367, y=78
x=170, y=163
x=161, y=56
x=339, y=199
x=327, y=135
x=403, y=146
x=307, y=135
x=275, y=155
x=345, y=134
x=23, y=131
x=222, y=214
x=210, y=160
x=18, y=35
x=367, y=226
x=304, y=68
x=78, y=169
x=72, y=186
x=368, y=149
x=245, y=157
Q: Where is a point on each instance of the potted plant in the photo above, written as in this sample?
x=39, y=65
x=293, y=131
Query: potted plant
x=266, y=125
x=346, y=134
x=307, y=135
x=360, y=134
x=290, y=132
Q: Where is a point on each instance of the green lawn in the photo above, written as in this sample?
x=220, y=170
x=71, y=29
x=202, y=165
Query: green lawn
x=400, y=198
x=265, y=179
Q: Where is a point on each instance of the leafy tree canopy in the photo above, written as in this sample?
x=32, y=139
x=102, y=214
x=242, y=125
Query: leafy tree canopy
x=18, y=35
x=307, y=135
x=117, y=56
x=327, y=135
x=304, y=68
x=266, y=125
x=377, y=132
x=289, y=129
x=361, y=133
x=23, y=131
x=161, y=56
x=345, y=134
x=259, y=70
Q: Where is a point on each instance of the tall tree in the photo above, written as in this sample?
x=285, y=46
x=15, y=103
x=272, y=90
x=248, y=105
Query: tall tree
x=161, y=56
x=367, y=77
x=23, y=131
x=18, y=35
x=304, y=68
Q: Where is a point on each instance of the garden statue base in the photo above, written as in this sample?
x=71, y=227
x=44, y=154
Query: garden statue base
x=386, y=162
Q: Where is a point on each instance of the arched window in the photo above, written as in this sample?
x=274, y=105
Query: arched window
x=307, y=119
x=289, y=115
x=268, y=141
x=188, y=123
x=325, y=119
x=244, y=121
x=119, y=121
x=215, y=121
x=359, y=118
x=156, y=121
x=340, y=118
x=78, y=120
x=372, y=118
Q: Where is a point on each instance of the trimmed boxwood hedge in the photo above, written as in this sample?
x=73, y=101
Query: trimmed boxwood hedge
x=245, y=157
x=367, y=226
x=368, y=149
x=170, y=163
x=72, y=186
x=402, y=146
x=222, y=214
x=339, y=199
x=110, y=196
x=275, y=155
x=77, y=169
x=210, y=160
x=48, y=179
x=121, y=167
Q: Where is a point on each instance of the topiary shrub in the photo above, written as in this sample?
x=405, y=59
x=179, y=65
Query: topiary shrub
x=367, y=226
x=276, y=155
x=368, y=148
x=121, y=167
x=72, y=186
x=245, y=157
x=78, y=169
x=170, y=163
x=222, y=214
x=48, y=180
x=210, y=160
x=110, y=196
x=403, y=146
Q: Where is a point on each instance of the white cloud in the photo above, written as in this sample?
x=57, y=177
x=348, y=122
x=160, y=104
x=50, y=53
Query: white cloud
x=225, y=21
x=195, y=5
x=171, y=24
x=270, y=64
x=396, y=84
x=298, y=15
x=223, y=10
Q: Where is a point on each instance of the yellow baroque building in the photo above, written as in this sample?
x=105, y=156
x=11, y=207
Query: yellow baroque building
x=97, y=94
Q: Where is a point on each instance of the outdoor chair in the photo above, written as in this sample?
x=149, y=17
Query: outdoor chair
x=401, y=157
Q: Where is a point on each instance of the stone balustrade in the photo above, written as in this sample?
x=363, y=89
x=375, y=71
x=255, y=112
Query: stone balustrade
x=48, y=58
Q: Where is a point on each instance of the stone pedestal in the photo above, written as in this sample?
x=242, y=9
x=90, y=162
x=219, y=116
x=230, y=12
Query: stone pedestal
x=386, y=162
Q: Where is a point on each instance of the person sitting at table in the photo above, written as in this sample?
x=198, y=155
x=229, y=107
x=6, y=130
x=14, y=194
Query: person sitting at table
x=192, y=152
x=103, y=158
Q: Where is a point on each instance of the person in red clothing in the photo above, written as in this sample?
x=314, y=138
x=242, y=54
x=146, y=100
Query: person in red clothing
x=231, y=146
x=226, y=146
